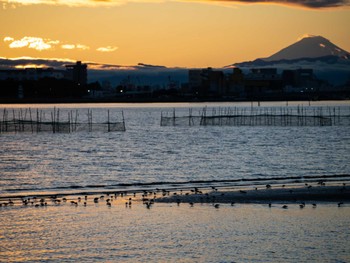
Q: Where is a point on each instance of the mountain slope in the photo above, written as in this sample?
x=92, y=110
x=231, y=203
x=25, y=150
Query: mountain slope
x=309, y=47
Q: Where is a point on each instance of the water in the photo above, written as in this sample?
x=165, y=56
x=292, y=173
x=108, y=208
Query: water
x=147, y=154
x=167, y=233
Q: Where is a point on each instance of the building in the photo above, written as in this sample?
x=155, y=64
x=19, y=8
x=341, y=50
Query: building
x=235, y=84
x=207, y=82
x=263, y=82
x=44, y=82
x=76, y=73
x=31, y=74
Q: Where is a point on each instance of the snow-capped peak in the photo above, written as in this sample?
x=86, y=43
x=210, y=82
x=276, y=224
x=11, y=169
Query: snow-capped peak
x=309, y=46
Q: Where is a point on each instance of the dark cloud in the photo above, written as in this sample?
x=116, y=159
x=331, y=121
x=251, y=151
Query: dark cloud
x=12, y=63
x=314, y=4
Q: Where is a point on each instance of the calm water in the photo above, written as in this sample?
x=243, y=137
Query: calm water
x=148, y=153
x=165, y=233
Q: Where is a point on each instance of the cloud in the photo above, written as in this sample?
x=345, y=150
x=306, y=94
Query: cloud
x=310, y=4
x=36, y=43
x=22, y=62
x=75, y=46
x=68, y=46
x=40, y=44
x=71, y=3
x=8, y=39
x=107, y=49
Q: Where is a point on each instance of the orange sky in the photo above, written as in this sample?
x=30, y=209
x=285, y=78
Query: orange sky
x=161, y=32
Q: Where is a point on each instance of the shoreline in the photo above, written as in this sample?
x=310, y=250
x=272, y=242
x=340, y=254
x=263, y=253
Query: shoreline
x=157, y=100
x=275, y=194
x=333, y=192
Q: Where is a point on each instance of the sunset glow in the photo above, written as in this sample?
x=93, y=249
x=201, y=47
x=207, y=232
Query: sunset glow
x=168, y=33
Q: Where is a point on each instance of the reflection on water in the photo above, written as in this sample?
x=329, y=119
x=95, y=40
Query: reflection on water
x=175, y=234
x=147, y=153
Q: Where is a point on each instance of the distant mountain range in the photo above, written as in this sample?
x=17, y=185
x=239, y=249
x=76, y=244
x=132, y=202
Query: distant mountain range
x=328, y=61
x=310, y=47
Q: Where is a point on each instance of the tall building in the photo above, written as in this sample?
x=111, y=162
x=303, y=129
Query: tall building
x=77, y=73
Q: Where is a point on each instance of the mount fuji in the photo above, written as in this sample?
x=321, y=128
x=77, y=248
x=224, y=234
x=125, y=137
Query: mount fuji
x=310, y=47
x=328, y=61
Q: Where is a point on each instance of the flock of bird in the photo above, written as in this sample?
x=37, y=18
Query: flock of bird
x=148, y=198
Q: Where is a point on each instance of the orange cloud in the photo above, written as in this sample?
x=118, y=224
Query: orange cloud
x=36, y=43
x=107, y=49
x=40, y=44
x=75, y=46
x=311, y=4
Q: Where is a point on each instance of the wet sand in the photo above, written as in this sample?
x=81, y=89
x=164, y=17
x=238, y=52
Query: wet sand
x=273, y=194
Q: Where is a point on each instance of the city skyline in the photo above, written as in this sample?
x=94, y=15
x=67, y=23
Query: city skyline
x=167, y=33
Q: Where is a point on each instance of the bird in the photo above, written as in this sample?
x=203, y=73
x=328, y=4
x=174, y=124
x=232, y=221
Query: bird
x=191, y=204
x=340, y=204
x=314, y=205
x=285, y=207
x=301, y=206
x=268, y=186
x=217, y=205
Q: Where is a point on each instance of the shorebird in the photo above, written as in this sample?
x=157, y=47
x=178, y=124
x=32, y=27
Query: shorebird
x=340, y=204
x=314, y=205
x=191, y=204
x=217, y=205
x=268, y=186
x=285, y=207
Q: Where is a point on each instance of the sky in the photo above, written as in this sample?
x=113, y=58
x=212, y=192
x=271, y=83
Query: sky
x=176, y=33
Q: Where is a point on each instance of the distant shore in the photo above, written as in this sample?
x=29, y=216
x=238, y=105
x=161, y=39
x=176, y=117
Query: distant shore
x=150, y=100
